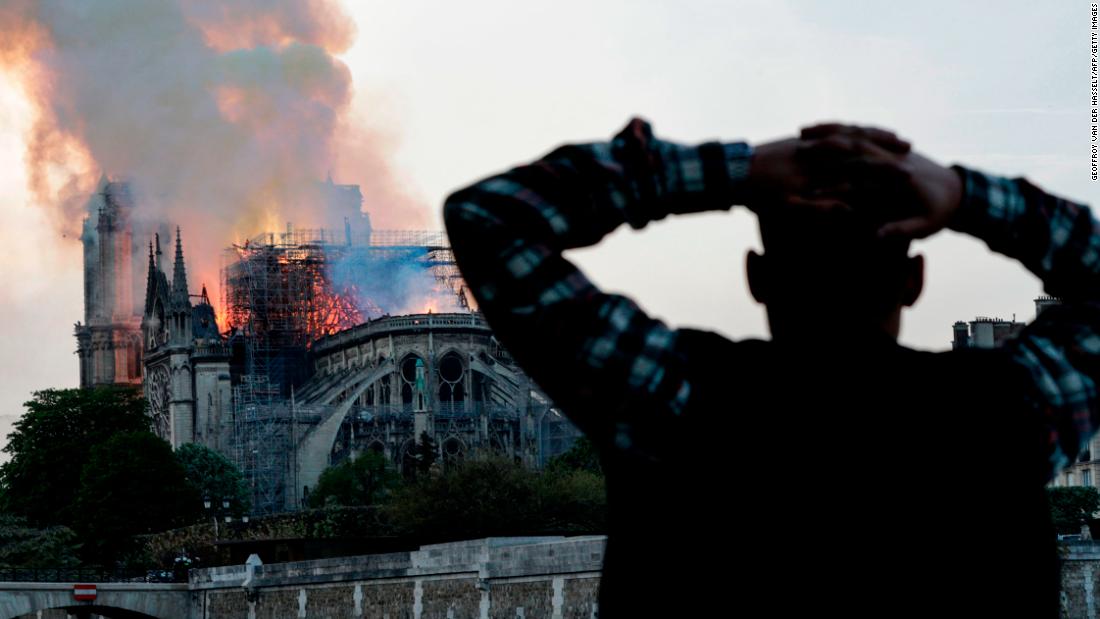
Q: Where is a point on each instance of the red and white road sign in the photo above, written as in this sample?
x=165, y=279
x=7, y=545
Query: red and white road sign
x=84, y=593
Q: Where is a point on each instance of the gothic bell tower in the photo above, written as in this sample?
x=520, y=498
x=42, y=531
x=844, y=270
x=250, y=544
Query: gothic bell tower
x=109, y=340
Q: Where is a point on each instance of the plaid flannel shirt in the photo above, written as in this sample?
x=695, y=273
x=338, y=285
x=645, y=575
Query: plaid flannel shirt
x=612, y=368
x=1058, y=241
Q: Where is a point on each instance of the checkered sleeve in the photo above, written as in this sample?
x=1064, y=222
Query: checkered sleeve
x=598, y=355
x=1059, y=241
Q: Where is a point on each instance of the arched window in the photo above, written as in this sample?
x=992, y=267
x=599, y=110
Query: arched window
x=383, y=386
x=412, y=383
x=452, y=389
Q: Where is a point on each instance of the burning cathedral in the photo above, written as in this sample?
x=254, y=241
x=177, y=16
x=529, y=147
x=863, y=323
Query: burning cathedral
x=327, y=342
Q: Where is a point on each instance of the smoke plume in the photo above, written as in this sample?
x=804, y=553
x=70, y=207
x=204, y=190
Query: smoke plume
x=391, y=283
x=223, y=116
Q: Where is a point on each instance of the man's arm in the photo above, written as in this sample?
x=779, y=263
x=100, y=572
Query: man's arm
x=598, y=355
x=1056, y=239
x=1059, y=241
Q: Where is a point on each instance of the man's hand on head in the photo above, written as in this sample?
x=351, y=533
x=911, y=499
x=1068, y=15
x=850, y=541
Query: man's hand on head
x=918, y=196
x=782, y=173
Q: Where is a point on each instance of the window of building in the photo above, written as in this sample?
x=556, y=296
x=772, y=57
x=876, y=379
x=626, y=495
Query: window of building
x=451, y=374
x=1086, y=477
x=408, y=381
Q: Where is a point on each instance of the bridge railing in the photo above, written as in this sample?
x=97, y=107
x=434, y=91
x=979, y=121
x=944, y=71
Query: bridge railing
x=89, y=575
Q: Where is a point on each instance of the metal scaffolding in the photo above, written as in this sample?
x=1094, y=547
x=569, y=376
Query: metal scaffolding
x=280, y=293
x=262, y=443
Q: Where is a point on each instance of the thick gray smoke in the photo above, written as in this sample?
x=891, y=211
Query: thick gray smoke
x=221, y=115
x=393, y=282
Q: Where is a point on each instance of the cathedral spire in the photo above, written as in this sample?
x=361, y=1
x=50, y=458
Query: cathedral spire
x=157, y=237
x=152, y=265
x=179, y=275
x=150, y=279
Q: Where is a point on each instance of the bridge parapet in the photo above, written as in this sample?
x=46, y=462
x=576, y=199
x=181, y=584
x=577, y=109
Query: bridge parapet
x=88, y=575
x=477, y=578
x=160, y=600
x=462, y=578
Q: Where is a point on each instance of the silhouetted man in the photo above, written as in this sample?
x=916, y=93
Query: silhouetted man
x=830, y=469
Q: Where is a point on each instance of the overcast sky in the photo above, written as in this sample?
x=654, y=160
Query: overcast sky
x=461, y=90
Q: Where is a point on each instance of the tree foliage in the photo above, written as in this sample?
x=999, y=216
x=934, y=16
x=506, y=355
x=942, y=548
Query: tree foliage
x=425, y=453
x=572, y=502
x=213, y=476
x=365, y=480
x=1072, y=507
x=582, y=456
x=131, y=484
x=27, y=547
x=53, y=439
x=497, y=497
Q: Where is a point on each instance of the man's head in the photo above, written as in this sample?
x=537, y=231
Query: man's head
x=825, y=274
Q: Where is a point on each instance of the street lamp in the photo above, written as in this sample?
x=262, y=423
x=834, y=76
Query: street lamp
x=224, y=512
x=206, y=505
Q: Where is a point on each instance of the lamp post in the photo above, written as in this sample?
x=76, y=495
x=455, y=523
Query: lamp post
x=207, y=504
x=214, y=512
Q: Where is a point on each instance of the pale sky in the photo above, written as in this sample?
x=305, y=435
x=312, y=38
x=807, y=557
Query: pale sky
x=461, y=90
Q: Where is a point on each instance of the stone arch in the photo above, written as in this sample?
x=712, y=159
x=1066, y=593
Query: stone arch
x=108, y=612
x=316, y=446
x=454, y=450
x=115, y=600
x=357, y=436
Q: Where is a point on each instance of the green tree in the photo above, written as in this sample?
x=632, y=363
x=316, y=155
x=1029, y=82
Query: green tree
x=496, y=496
x=213, y=476
x=572, y=502
x=582, y=456
x=24, y=546
x=1072, y=507
x=475, y=498
x=53, y=439
x=366, y=480
x=131, y=484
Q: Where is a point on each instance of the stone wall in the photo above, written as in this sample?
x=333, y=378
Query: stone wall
x=543, y=577
x=1080, y=577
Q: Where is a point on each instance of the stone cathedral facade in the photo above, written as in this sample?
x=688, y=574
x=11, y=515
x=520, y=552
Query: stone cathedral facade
x=380, y=385
x=186, y=364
